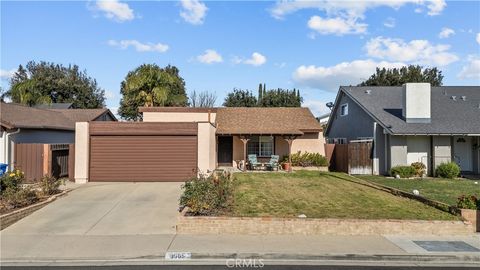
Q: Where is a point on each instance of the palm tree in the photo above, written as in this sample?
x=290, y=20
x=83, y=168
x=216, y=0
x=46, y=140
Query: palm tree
x=25, y=93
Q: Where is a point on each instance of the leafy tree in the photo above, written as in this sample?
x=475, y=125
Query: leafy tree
x=398, y=77
x=281, y=98
x=240, y=98
x=149, y=85
x=202, y=99
x=47, y=82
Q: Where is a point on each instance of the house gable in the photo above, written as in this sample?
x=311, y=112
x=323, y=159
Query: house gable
x=352, y=126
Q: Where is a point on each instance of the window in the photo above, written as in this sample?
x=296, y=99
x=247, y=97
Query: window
x=344, y=109
x=337, y=140
x=261, y=146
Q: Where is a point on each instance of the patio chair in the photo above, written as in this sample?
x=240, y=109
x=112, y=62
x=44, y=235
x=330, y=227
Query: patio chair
x=252, y=162
x=273, y=163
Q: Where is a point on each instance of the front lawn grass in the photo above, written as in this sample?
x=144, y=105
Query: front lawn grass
x=442, y=190
x=321, y=195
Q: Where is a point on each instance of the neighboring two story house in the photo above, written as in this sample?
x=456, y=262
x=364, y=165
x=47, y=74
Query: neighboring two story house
x=411, y=123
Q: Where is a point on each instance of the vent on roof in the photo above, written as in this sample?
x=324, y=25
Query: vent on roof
x=368, y=91
x=464, y=98
x=454, y=98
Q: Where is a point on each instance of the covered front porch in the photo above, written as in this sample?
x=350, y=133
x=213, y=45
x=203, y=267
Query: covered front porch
x=233, y=150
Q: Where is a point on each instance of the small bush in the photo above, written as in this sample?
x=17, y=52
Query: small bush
x=207, y=195
x=15, y=198
x=468, y=202
x=49, y=185
x=11, y=180
x=306, y=159
x=419, y=169
x=448, y=170
x=402, y=171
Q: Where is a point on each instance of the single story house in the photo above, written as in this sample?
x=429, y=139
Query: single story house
x=410, y=123
x=172, y=143
x=36, y=140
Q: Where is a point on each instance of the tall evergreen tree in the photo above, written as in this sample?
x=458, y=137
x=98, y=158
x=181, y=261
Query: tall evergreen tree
x=260, y=92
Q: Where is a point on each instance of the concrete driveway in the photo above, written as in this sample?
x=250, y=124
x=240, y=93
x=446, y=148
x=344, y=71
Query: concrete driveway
x=107, y=209
x=98, y=219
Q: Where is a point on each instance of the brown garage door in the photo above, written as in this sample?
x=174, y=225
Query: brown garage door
x=142, y=152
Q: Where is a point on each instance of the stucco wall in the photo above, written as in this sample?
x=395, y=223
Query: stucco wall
x=178, y=117
x=206, y=148
x=419, y=150
x=442, y=150
x=82, y=149
x=309, y=142
x=398, y=151
x=237, y=150
x=356, y=124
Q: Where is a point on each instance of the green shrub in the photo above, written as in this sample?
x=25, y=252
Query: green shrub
x=11, y=180
x=306, y=159
x=448, y=170
x=15, y=198
x=468, y=202
x=419, y=169
x=207, y=195
x=49, y=185
x=402, y=171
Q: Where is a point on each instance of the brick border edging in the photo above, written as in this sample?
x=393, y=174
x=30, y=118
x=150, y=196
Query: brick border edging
x=316, y=226
x=14, y=216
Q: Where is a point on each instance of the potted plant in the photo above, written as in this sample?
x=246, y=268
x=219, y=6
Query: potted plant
x=286, y=166
x=469, y=207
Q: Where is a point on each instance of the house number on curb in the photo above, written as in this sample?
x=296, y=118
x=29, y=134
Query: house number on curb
x=178, y=256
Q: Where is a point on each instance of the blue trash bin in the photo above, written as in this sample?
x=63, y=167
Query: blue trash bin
x=3, y=168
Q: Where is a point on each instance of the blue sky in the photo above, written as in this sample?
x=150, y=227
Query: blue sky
x=314, y=46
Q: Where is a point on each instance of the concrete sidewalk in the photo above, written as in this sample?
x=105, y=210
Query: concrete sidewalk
x=94, y=249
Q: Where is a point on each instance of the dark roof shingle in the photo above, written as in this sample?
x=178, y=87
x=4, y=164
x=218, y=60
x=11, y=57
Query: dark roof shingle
x=19, y=116
x=447, y=115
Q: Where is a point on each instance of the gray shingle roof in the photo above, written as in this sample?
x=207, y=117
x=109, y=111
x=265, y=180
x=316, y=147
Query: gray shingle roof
x=447, y=116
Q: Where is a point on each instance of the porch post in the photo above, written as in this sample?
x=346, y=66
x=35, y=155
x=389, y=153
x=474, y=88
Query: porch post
x=244, y=140
x=289, y=140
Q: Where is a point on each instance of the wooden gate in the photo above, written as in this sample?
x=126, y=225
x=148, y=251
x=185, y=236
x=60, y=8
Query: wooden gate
x=59, y=160
x=360, y=158
x=28, y=157
x=352, y=158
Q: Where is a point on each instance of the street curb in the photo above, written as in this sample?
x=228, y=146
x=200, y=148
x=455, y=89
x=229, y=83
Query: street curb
x=338, y=259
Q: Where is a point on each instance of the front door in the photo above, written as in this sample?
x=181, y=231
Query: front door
x=462, y=148
x=225, y=151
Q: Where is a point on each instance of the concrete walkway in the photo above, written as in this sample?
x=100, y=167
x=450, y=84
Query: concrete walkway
x=127, y=222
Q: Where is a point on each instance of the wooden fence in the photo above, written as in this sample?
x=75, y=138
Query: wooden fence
x=352, y=158
x=37, y=160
